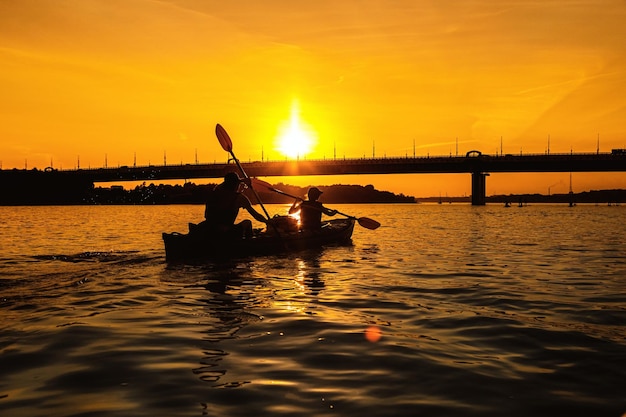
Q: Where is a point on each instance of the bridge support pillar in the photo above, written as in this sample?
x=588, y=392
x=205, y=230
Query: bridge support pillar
x=479, y=188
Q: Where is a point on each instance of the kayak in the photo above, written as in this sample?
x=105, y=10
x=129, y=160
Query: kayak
x=275, y=240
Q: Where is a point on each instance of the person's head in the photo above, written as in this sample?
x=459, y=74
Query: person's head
x=232, y=181
x=314, y=193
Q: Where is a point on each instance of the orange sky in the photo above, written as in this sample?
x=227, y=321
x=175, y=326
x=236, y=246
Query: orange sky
x=82, y=81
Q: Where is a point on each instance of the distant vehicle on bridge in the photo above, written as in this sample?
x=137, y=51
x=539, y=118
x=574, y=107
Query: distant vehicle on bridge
x=473, y=153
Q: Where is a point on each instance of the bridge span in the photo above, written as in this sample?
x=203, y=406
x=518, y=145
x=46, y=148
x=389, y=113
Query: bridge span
x=475, y=163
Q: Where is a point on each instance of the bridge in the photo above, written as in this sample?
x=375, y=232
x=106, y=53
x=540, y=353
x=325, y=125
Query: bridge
x=478, y=165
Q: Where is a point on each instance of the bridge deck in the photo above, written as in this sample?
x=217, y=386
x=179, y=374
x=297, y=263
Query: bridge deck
x=67, y=184
x=598, y=162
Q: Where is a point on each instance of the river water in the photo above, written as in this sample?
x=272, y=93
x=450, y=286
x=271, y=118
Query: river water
x=445, y=310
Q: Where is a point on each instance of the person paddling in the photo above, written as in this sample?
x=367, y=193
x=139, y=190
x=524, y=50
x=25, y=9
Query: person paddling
x=311, y=210
x=222, y=207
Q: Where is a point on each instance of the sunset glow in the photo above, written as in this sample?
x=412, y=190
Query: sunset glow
x=137, y=80
x=295, y=139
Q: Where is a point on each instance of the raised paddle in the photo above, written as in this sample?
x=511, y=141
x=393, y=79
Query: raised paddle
x=363, y=221
x=227, y=145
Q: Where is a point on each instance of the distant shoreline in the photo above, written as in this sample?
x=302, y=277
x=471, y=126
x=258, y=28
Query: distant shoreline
x=616, y=196
x=190, y=193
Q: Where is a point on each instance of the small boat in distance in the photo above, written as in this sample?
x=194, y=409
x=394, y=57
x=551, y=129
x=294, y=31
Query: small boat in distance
x=200, y=246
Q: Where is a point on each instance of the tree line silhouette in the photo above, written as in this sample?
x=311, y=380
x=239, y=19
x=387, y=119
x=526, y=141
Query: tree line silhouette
x=191, y=193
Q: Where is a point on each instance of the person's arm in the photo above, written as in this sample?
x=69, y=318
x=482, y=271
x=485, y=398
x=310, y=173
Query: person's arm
x=295, y=207
x=245, y=203
x=328, y=212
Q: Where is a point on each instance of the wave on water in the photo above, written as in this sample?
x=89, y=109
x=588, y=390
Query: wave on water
x=47, y=276
x=107, y=256
x=474, y=311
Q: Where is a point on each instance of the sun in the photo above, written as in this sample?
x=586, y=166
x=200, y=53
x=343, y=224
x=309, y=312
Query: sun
x=295, y=138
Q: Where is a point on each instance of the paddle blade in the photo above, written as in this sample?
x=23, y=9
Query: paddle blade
x=368, y=223
x=260, y=183
x=223, y=138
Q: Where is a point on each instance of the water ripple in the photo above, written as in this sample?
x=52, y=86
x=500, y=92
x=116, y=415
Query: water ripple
x=443, y=311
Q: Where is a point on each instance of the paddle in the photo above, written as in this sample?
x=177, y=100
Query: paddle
x=366, y=222
x=227, y=145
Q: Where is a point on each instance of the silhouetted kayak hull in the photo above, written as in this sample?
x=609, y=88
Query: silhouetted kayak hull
x=197, y=246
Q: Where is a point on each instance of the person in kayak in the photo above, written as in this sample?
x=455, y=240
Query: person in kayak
x=311, y=210
x=222, y=207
